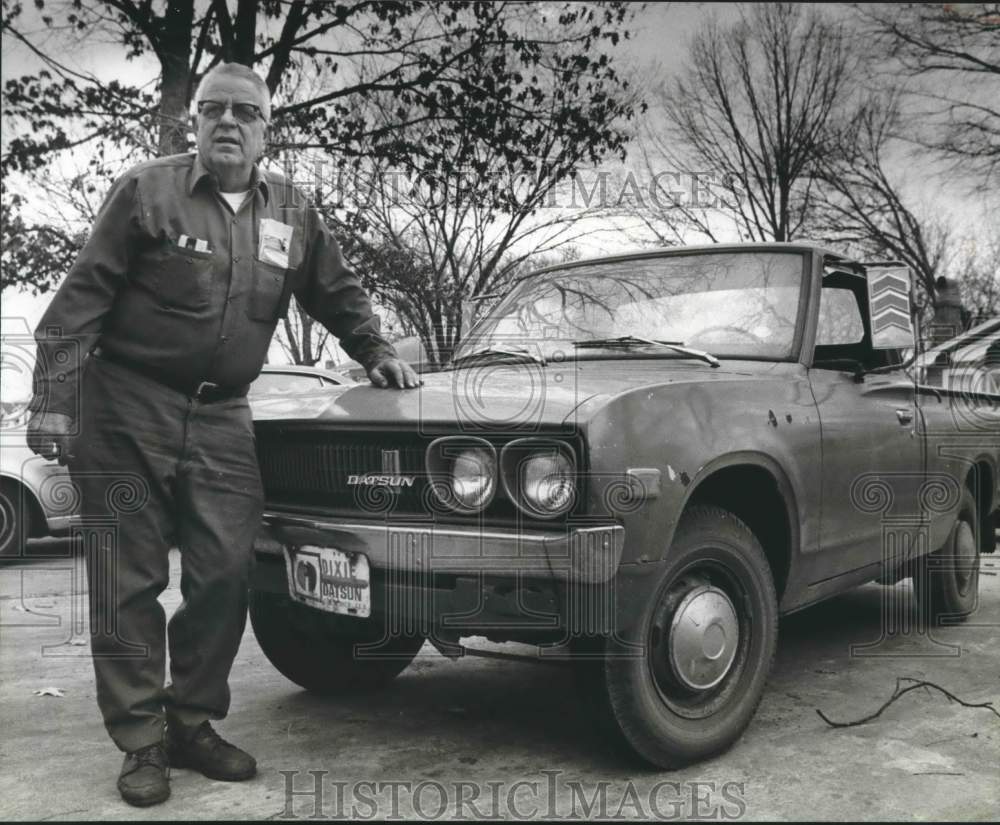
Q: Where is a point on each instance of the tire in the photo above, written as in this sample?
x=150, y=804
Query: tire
x=664, y=712
x=15, y=520
x=946, y=582
x=305, y=648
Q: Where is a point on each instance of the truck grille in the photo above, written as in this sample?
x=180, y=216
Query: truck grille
x=307, y=469
x=312, y=469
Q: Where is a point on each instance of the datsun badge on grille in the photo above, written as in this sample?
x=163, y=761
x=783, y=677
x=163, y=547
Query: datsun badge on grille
x=389, y=477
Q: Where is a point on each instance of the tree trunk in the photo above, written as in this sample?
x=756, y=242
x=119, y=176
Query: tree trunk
x=245, y=32
x=175, y=62
x=173, y=114
x=432, y=359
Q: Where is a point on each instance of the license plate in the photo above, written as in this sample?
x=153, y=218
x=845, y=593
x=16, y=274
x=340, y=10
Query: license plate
x=329, y=579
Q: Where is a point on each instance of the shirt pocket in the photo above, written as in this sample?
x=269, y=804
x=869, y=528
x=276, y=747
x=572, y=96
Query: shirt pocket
x=182, y=278
x=271, y=292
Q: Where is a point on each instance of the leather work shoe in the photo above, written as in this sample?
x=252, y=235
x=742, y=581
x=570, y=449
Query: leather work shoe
x=208, y=753
x=145, y=775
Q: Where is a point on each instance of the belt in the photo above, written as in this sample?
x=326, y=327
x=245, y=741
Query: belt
x=207, y=392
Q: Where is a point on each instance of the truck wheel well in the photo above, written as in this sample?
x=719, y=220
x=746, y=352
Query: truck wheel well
x=752, y=494
x=980, y=484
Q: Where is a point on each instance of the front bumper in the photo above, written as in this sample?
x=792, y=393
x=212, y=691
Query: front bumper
x=585, y=553
x=504, y=583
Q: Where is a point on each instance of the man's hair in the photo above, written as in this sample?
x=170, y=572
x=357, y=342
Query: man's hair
x=243, y=72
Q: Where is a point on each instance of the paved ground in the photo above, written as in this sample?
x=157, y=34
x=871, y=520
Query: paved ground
x=471, y=730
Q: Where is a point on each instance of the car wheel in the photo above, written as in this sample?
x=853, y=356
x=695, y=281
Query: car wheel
x=301, y=644
x=15, y=520
x=700, y=656
x=946, y=582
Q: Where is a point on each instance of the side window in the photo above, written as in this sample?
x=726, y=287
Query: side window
x=839, y=320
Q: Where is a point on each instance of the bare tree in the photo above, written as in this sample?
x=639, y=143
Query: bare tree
x=430, y=239
x=430, y=249
x=680, y=205
x=751, y=108
x=951, y=54
x=976, y=267
x=301, y=338
x=861, y=203
x=303, y=341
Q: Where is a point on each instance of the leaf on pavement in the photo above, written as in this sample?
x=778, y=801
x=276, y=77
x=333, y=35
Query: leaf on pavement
x=49, y=691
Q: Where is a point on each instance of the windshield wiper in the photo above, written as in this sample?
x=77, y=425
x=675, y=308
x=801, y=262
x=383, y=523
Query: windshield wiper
x=510, y=352
x=635, y=341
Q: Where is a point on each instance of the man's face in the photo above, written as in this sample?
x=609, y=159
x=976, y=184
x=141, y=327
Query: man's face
x=227, y=144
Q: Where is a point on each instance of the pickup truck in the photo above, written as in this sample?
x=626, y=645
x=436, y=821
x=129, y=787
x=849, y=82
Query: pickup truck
x=635, y=463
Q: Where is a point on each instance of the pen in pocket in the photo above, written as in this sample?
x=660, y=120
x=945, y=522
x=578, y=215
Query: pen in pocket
x=195, y=244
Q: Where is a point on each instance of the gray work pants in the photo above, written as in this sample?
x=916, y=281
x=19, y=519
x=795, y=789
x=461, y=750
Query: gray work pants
x=155, y=470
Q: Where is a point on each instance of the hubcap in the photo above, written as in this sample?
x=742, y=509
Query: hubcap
x=965, y=555
x=703, y=639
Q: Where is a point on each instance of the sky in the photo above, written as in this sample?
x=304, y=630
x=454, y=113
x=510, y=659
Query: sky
x=657, y=49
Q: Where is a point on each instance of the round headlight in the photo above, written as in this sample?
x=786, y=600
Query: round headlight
x=548, y=483
x=473, y=478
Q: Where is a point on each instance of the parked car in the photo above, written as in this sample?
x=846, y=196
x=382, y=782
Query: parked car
x=964, y=364
x=280, y=379
x=281, y=389
x=37, y=498
x=639, y=462
x=968, y=363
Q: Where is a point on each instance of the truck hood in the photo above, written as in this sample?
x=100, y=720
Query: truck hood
x=500, y=395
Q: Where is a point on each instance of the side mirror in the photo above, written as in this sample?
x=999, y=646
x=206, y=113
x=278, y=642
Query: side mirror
x=889, y=311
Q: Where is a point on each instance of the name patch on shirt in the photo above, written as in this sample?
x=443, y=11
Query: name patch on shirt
x=275, y=242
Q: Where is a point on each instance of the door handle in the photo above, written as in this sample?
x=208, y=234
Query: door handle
x=904, y=416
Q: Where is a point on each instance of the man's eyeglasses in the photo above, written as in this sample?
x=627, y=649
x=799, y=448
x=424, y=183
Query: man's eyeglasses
x=243, y=112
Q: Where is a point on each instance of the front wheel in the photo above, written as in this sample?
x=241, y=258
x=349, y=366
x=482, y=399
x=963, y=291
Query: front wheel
x=302, y=644
x=946, y=582
x=686, y=683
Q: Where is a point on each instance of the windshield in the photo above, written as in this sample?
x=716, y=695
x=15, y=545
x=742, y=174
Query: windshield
x=737, y=304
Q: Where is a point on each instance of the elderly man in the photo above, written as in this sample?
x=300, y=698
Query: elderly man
x=175, y=297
